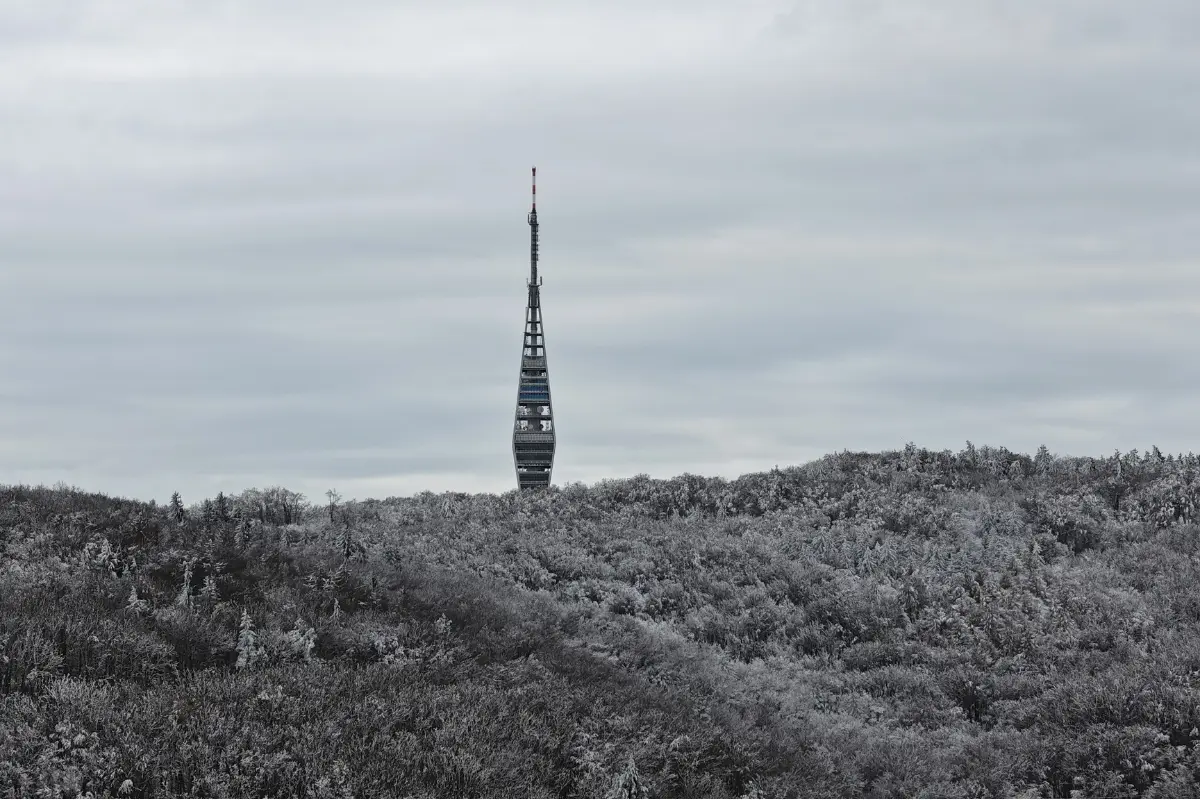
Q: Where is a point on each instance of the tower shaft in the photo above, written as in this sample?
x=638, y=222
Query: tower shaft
x=533, y=428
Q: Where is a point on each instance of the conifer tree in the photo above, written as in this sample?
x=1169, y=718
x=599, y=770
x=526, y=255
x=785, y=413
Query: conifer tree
x=334, y=499
x=176, y=509
x=208, y=513
x=1043, y=459
x=247, y=646
x=184, y=598
x=374, y=598
x=136, y=604
x=302, y=639
x=221, y=507
x=629, y=782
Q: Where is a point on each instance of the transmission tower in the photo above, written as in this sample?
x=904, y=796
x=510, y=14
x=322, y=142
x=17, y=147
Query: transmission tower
x=533, y=430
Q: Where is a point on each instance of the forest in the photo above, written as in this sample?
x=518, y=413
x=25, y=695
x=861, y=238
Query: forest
x=900, y=624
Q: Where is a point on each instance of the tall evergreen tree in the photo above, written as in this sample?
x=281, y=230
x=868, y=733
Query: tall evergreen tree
x=334, y=499
x=248, y=649
x=208, y=513
x=184, y=598
x=1043, y=460
x=176, y=509
x=222, y=507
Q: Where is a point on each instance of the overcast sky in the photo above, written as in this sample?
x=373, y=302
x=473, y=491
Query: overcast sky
x=247, y=243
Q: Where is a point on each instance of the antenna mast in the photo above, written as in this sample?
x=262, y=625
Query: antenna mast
x=533, y=235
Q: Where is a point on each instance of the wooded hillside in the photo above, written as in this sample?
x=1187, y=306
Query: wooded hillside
x=909, y=623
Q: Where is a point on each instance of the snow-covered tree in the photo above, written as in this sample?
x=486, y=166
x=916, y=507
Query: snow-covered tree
x=302, y=639
x=208, y=513
x=628, y=783
x=136, y=604
x=334, y=499
x=1043, y=460
x=176, y=510
x=184, y=598
x=248, y=649
x=221, y=507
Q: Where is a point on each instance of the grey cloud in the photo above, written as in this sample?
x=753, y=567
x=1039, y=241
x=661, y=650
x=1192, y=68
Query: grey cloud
x=244, y=248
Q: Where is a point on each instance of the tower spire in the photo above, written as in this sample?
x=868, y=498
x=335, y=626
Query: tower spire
x=533, y=235
x=533, y=430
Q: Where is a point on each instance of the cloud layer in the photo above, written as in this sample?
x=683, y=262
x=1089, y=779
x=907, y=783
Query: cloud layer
x=244, y=244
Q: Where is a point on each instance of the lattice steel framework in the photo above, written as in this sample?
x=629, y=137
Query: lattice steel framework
x=533, y=428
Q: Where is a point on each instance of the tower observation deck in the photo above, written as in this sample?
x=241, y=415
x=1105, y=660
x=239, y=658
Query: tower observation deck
x=533, y=429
